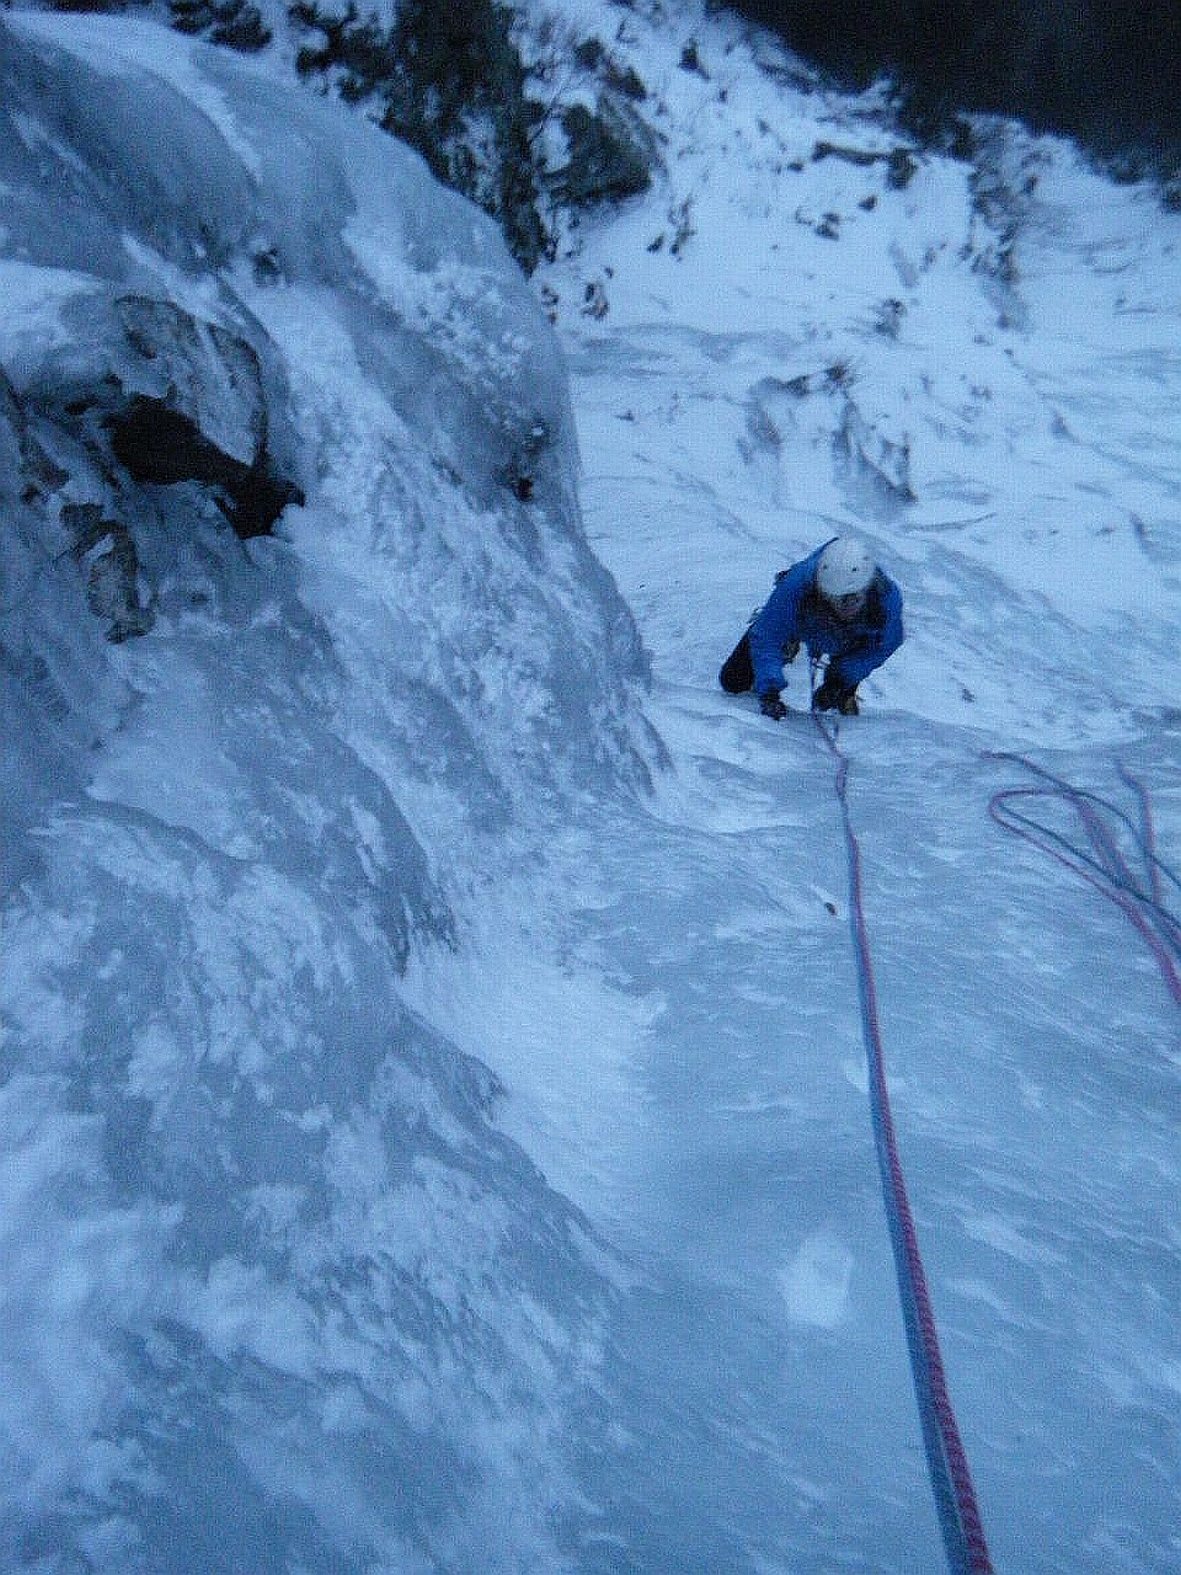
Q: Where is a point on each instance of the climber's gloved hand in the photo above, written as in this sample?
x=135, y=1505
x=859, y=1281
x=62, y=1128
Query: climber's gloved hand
x=834, y=696
x=771, y=705
x=790, y=652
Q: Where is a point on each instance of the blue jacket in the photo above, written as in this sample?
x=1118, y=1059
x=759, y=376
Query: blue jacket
x=795, y=610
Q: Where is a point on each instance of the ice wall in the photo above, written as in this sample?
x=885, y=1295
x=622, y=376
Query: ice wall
x=303, y=647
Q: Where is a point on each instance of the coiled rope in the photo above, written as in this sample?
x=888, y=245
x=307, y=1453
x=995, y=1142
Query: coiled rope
x=1135, y=880
x=951, y=1480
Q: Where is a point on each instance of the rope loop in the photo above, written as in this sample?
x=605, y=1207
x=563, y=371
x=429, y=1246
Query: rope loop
x=1117, y=855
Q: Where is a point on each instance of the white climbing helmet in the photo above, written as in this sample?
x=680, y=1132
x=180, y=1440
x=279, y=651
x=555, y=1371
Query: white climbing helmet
x=845, y=569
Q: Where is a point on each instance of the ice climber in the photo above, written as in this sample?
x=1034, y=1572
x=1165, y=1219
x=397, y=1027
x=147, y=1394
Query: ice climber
x=839, y=604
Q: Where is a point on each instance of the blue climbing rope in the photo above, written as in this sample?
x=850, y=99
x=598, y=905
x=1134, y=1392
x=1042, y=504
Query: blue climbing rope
x=951, y=1480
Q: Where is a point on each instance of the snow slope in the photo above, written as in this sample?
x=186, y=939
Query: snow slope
x=436, y=1129
x=976, y=372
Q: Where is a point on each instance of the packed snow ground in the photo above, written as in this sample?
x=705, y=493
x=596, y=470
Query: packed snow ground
x=290, y=1284
x=1033, y=1046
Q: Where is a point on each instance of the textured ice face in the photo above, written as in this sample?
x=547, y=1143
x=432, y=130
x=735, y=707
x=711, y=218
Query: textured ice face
x=249, y=778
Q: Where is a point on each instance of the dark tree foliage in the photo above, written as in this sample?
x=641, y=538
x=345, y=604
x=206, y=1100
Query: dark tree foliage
x=459, y=65
x=450, y=81
x=233, y=23
x=1104, y=71
x=452, y=84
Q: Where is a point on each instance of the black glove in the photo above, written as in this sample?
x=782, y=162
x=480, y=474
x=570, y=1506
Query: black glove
x=771, y=705
x=833, y=696
x=790, y=652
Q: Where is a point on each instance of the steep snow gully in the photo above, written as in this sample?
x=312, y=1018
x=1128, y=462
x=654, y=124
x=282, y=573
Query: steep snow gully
x=437, y=1132
x=974, y=371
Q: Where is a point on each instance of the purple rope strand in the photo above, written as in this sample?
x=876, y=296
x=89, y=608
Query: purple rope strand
x=1110, y=871
x=1147, y=831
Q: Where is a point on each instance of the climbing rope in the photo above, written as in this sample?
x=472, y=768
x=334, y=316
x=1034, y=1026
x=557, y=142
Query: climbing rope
x=951, y=1480
x=1117, y=854
x=1131, y=875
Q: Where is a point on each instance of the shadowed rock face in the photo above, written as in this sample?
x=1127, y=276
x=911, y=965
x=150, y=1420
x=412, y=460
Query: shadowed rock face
x=156, y=443
x=170, y=397
x=106, y=547
x=191, y=406
x=140, y=392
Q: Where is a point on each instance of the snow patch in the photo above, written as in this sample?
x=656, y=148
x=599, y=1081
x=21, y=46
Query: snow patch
x=816, y=1282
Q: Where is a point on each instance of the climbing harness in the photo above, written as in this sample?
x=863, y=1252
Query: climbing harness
x=1135, y=880
x=951, y=1480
